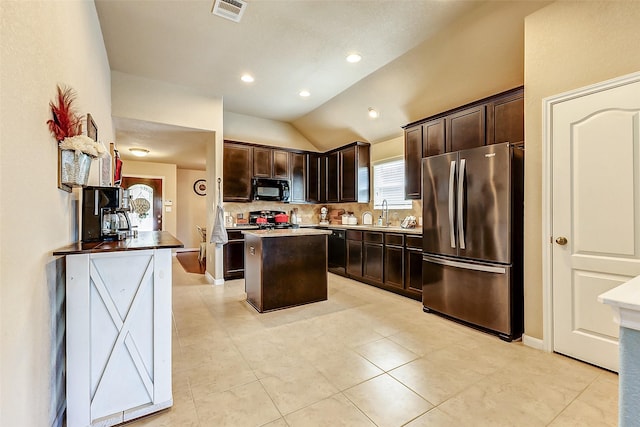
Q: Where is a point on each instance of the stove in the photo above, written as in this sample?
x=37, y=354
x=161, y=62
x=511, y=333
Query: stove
x=270, y=216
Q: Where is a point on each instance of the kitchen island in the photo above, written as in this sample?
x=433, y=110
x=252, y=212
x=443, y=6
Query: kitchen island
x=285, y=268
x=118, y=328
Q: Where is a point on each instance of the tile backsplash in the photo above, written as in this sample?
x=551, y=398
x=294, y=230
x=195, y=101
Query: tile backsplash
x=310, y=213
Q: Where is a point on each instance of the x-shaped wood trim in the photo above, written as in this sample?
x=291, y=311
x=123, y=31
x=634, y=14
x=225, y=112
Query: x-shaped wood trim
x=123, y=326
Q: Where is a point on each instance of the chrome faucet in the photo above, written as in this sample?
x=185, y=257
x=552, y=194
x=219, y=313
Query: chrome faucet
x=385, y=213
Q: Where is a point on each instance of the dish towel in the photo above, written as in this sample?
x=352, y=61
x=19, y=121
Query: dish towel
x=219, y=234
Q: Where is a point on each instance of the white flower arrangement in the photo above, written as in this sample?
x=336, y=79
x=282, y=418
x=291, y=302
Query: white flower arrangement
x=84, y=144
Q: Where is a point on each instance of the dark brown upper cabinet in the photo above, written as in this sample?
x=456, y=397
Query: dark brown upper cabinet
x=354, y=173
x=466, y=129
x=298, y=162
x=347, y=174
x=270, y=163
x=505, y=118
x=313, y=178
x=420, y=141
x=238, y=160
x=340, y=175
x=332, y=188
x=496, y=119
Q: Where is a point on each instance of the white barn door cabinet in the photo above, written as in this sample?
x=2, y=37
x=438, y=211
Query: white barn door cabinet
x=118, y=336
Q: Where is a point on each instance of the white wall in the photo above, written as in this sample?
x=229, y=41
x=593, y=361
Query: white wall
x=567, y=45
x=191, y=208
x=387, y=149
x=154, y=101
x=239, y=127
x=42, y=44
x=169, y=191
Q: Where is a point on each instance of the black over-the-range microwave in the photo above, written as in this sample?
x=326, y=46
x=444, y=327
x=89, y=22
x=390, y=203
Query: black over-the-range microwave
x=270, y=189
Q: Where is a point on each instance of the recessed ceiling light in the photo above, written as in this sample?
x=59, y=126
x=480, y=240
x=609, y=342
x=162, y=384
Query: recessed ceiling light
x=140, y=152
x=247, y=78
x=304, y=93
x=373, y=113
x=353, y=58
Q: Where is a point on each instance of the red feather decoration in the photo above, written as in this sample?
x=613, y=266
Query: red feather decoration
x=65, y=122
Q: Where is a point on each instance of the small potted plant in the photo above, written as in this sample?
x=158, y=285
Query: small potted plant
x=78, y=150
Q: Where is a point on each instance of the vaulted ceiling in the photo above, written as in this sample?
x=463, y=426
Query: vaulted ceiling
x=294, y=45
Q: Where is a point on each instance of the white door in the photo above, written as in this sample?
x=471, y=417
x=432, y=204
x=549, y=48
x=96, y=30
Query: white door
x=595, y=214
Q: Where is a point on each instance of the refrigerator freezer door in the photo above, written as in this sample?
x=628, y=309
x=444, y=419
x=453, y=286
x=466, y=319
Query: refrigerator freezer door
x=484, y=206
x=479, y=294
x=438, y=204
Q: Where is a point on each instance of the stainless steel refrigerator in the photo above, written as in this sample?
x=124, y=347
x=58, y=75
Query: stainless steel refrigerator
x=473, y=237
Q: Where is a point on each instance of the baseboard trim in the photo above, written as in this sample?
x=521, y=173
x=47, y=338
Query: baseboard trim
x=213, y=280
x=532, y=342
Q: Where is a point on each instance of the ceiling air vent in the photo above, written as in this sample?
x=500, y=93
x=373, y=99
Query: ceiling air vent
x=230, y=9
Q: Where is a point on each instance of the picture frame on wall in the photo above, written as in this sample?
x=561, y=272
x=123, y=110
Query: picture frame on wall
x=105, y=170
x=92, y=129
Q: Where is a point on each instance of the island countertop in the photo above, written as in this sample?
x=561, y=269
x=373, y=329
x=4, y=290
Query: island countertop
x=286, y=232
x=145, y=240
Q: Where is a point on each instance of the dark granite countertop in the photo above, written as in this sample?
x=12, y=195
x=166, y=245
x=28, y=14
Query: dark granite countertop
x=286, y=232
x=145, y=240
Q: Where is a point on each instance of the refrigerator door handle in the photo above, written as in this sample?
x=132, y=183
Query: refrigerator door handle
x=452, y=205
x=465, y=265
x=461, y=175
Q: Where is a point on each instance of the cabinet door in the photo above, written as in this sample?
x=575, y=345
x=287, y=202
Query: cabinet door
x=413, y=273
x=373, y=262
x=262, y=162
x=237, y=172
x=298, y=177
x=333, y=178
x=412, y=162
x=233, y=256
x=433, y=141
x=313, y=177
x=466, y=129
x=354, y=258
x=322, y=164
x=505, y=119
x=373, y=256
x=349, y=175
x=280, y=164
x=394, y=266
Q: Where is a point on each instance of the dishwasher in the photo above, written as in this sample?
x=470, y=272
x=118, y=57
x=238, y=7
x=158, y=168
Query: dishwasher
x=337, y=252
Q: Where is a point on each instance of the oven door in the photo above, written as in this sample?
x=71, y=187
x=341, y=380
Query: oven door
x=264, y=192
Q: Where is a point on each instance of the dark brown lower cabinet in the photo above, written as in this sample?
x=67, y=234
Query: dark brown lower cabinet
x=413, y=265
x=373, y=257
x=394, y=260
x=233, y=256
x=354, y=254
x=285, y=271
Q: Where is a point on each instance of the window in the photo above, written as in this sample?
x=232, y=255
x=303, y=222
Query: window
x=388, y=183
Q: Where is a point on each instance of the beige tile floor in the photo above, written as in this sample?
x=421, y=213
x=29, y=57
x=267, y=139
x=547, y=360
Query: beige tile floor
x=365, y=357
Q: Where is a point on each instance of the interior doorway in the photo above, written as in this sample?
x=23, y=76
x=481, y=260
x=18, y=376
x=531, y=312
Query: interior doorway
x=593, y=227
x=146, y=202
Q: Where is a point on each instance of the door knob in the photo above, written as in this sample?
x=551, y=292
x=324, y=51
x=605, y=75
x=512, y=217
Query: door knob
x=561, y=241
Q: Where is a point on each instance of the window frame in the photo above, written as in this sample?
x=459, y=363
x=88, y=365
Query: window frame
x=393, y=204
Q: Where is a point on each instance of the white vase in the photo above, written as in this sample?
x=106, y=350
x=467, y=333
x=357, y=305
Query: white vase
x=75, y=168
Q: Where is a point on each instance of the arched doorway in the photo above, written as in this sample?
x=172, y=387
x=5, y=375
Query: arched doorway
x=146, y=202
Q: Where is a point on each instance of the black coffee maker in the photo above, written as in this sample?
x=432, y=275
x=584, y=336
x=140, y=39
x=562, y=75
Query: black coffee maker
x=105, y=214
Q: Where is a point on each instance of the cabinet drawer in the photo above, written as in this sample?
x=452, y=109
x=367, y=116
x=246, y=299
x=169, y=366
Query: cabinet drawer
x=394, y=239
x=235, y=235
x=373, y=237
x=414, y=242
x=354, y=235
